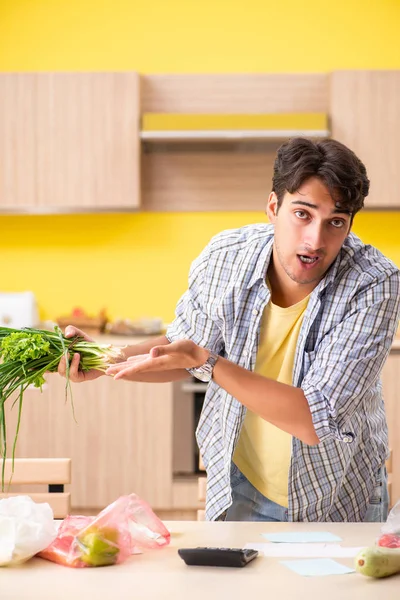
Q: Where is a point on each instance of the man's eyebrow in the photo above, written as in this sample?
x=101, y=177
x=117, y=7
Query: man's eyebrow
x=310, y=205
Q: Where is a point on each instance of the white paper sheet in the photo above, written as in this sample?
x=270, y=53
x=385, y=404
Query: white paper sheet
x=297, y=537
x=302, y=550
x=317, y=567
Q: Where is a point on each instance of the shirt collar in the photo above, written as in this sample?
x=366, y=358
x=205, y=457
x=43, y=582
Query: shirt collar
x=330, y=276
x=260, y=271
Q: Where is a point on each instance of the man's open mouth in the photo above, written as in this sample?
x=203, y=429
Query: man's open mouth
x=309, y=260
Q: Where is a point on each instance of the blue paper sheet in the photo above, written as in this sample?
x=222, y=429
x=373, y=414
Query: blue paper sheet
x=317, y=567
x=297, y=537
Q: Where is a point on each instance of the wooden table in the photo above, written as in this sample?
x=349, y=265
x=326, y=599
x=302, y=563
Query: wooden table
x=162, y=573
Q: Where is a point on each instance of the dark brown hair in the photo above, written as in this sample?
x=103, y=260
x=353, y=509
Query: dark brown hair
x=339, y=169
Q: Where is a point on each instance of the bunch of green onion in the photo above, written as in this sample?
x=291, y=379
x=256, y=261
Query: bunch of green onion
x=27, y=354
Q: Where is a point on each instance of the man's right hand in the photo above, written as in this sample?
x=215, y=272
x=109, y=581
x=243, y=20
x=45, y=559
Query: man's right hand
x=75, y=375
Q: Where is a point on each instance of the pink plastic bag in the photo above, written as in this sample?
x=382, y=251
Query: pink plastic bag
x=390, y=532
x=127, y=526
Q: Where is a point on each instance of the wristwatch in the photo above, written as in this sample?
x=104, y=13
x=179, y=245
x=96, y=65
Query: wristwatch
x=205, y=372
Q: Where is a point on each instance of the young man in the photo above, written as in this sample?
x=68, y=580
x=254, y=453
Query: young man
x=291, y=323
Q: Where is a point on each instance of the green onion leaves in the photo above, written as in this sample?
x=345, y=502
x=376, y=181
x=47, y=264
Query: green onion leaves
x=27, y=354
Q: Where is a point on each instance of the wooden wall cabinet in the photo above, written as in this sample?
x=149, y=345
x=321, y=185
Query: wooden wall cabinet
x=365, y=116
x=232, y=170
x=120, y=443
x=74, y=141
x=69, y=142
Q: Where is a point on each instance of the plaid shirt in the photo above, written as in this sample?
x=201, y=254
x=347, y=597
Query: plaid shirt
x=346, y=335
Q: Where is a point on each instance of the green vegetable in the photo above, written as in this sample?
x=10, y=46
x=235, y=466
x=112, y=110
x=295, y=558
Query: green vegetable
x=99, y=546
x=27, y=354
x=377, y=561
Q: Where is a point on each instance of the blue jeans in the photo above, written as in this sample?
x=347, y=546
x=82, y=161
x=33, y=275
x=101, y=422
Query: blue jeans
x=250, y=505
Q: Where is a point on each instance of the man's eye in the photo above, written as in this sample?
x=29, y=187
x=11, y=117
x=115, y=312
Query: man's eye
x=301, y=214
x=337, y=223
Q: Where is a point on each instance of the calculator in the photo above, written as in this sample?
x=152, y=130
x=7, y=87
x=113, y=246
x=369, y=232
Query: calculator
x=217, y=557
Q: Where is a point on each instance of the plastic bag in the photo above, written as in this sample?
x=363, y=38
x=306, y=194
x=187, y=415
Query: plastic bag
x=390, y=531
x=127, y=526
x=26, y=527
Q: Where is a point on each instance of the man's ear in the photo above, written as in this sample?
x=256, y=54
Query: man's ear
x=271, y=209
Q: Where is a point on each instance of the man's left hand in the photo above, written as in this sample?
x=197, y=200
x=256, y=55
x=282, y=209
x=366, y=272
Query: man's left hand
x=183, y=354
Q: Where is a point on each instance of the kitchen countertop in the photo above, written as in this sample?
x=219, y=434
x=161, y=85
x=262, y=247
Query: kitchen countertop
x=161, y=573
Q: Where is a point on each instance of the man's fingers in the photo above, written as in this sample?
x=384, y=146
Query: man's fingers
x=138, y=357
x=71, y=331
x=74, y=364
x=148, y=364
x=132, y=360
x=158, y=351
x=139, y=367
x=131, y=365
x=121, y=374
x=62, y=367
x=74, y=373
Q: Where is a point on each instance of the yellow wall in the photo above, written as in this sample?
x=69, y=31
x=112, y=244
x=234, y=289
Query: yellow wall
x=185, y=36
x=137, y=264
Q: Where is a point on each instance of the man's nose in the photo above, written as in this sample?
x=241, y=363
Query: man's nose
x=315, y=237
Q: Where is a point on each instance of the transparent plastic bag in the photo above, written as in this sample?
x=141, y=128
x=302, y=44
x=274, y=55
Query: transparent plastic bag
x=390, y=531
x=125, y=527
x=26, y=527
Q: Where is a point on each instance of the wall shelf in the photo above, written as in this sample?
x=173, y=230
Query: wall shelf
x=216, y=160
x=172, y=127
x=229, y=135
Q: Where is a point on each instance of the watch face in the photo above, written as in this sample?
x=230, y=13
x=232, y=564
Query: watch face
x=202, y=375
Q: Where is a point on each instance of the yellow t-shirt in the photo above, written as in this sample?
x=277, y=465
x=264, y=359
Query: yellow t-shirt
x=263, y=451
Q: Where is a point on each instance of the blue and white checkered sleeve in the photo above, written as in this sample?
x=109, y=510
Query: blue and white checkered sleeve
x=350, y=358
x=192, y=320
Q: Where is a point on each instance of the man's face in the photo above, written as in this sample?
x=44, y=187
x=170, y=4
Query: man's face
x=309, y=232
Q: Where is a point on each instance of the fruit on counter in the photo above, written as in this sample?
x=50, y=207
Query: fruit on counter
x=99, y=546
x=83, y=320
x=78, y=312
x=376, y=561
x=389, y=540
x=142, y=326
